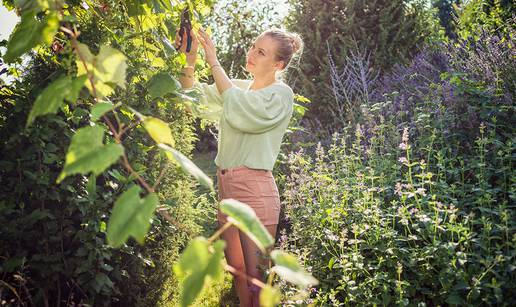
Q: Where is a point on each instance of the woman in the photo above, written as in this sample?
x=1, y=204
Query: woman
x=253, y=116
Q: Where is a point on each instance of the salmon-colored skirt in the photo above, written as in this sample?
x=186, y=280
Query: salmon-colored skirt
x=254, y=187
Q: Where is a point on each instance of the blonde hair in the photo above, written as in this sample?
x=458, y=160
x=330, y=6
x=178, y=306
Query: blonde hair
x=289, y=44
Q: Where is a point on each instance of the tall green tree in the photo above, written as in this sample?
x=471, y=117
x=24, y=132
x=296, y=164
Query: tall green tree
x=490, y=15
x=390, y=30
x=447, y=15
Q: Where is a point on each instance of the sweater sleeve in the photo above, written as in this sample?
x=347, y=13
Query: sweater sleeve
x=256, y=111
x=209, y=105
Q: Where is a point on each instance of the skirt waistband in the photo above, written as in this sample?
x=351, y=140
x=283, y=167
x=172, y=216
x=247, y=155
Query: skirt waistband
x=239, y=169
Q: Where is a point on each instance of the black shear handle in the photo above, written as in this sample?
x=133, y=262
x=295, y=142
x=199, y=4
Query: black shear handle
x=186, y=25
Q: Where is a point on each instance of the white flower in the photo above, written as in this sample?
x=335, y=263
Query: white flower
x=421, y=191
x=405, y=135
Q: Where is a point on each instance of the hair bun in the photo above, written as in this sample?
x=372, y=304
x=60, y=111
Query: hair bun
x=297, y=42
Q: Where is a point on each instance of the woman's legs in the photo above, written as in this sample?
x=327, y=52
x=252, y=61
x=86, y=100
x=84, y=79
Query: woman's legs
x=235, y=258
x=255, y=262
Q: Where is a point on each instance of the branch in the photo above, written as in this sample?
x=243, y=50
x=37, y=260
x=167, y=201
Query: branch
x=127, y=165
x=236, y=272
x=161, y=174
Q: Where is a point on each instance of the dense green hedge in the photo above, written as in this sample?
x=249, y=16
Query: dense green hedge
x=54, y=248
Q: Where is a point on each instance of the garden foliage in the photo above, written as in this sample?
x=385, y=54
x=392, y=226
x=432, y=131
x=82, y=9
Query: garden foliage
x=413, y=202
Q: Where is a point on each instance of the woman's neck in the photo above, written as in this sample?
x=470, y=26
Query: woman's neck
x=259, y=83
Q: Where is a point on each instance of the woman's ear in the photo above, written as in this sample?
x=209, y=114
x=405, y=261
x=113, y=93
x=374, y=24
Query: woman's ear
x=280, y=65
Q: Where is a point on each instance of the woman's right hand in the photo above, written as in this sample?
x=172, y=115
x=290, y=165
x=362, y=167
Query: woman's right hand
x=191, y=56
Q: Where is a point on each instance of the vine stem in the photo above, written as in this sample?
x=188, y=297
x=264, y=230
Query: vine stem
x=236, y=272
x=219, y=232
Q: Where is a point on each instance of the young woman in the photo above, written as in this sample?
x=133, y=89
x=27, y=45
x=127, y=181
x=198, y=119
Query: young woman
x=253, y=116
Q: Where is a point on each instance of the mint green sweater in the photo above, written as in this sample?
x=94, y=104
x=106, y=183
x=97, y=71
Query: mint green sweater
x=252, y=123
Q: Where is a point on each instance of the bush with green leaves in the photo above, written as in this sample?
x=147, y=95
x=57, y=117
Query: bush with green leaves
x=494, y=16
x=55, y=242
x=403, y=225
x=413, y=204
x=94, y=133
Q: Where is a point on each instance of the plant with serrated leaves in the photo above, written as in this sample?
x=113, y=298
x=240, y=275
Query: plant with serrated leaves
x=108, y=122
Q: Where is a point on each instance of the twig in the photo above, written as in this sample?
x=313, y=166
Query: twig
x=12, y=289
x=127, y=165
x=164, y=213
x=219, y=231
x=129, y=127
x=236, y=272
x=161, y=174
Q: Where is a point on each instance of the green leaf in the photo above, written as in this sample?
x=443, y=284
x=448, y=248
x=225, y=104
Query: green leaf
x=187, y=165
x=168, y=49
x=301, y=98
x=107, y=69
x=195, y=255
x=37, y=6
x=195, y=264
x=214, y=268
x=49, y=28
x=76, y=87
x=289, y=269
x=29, y=33
x=99, y=109
x=161, y=84
x=91, y=187
x=134, y=7
x=192, y=286
x=158, y=130
x=131, y=216
x=53, y=96
x=87, y=153
x=243, y=217
x=269, y=296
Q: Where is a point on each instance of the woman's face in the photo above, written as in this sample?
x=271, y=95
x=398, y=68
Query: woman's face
x=261, y=58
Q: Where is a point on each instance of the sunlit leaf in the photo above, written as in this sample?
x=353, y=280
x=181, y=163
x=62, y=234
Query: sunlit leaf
x=214, y=268
x=134, y=7
x=161, y=84
x=289, y=269
x=100, y=109
x=29, y=33
x=87, y=153
x=269, y=296
x=188, y=166
x=37, y=6
x=107, y=69
x=195, y=264
x=131, y=216
x=195, y=255
x=301, y=98
x=244, y=217
x=158, y=130
x=53, y=96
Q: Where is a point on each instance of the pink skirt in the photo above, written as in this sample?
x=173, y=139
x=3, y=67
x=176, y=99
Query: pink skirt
x=254, y=187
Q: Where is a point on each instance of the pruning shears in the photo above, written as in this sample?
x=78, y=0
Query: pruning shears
x=186, y=25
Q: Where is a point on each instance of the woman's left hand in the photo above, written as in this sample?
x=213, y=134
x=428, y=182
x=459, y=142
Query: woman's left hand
x=208, y=46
